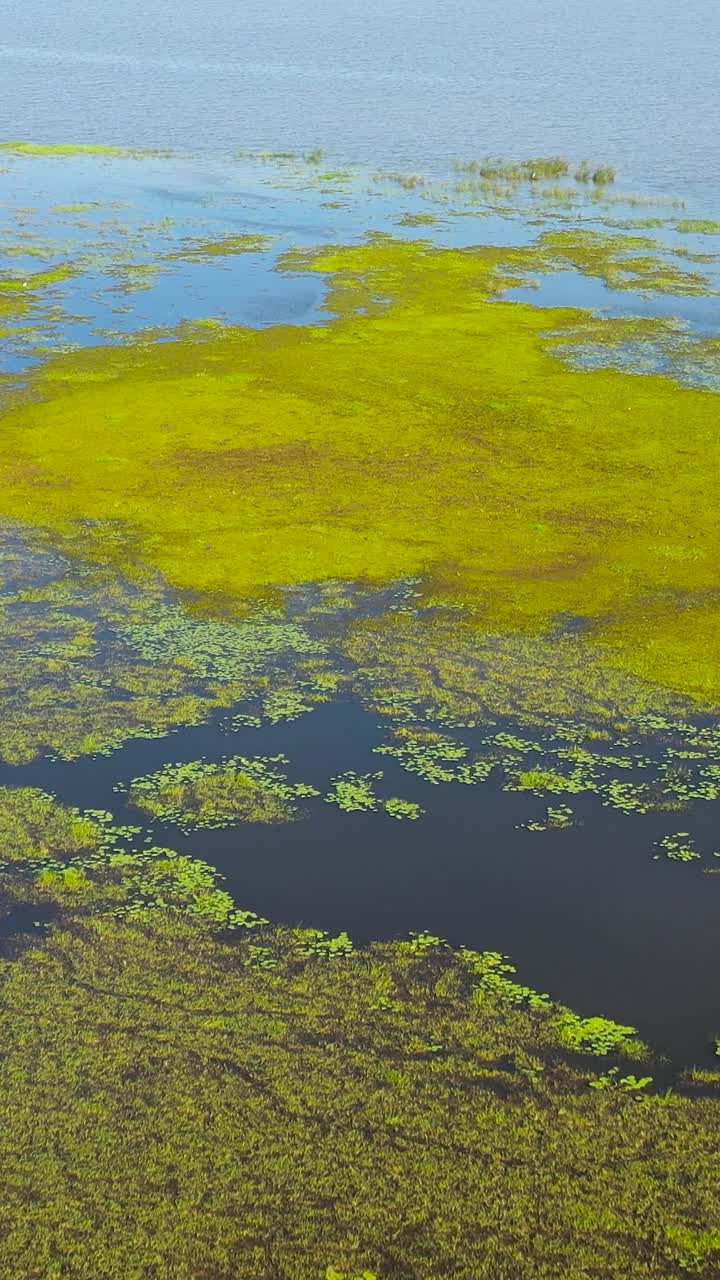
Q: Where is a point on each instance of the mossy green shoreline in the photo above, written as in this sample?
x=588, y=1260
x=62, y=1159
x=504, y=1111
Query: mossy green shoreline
x=189, y=1091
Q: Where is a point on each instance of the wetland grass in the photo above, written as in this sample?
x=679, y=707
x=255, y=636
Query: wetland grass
x=238, y=1091
x=189, y=1090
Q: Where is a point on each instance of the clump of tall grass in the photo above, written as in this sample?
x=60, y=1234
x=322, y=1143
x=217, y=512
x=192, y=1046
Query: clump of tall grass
x=410, y=181
x=639, y=201
x=523, y=171
x=602, y=176
x=559, y=195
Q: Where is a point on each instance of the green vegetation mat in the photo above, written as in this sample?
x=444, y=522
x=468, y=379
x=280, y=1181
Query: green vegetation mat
x=187, y=1092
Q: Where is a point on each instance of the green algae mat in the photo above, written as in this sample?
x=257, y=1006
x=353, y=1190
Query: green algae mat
x=358, y=580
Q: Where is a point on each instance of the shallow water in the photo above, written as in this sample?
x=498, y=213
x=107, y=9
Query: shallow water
x=388, y=82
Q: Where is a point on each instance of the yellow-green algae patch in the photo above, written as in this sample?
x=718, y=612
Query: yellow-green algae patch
x=36, y=279
x=72, y=149
x=637, y=263
x=198, y=250
x=425, y=429
x=702, y=226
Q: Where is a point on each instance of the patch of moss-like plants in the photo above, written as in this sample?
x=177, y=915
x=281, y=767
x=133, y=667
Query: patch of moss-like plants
x=89, y=659
x=210, y=794
x=699, y=226
x=355, y=793
x=200, y=250
x=34, y=826
x=158, y=1027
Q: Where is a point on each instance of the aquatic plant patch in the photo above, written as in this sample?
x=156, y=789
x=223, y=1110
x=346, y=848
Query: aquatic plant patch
x=33, y=825
x=212, y=794
x=354, y=1091
x=90, y=659
x=355, y=793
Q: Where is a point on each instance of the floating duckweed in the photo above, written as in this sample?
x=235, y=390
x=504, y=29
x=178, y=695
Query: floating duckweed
x=402, y=809
x=679, y=847
x=355, y=793
x=316, y=942
x=217, y=649
x=557, y=818
x=599, y=1036
x=539, y=781
x=493, y=970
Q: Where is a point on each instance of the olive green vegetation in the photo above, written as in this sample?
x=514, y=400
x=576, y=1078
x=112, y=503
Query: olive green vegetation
x=515, y=484
x=522, y=171
x=355, y=793
x=204, y=793
x=424, y=503
x=33, y=825
x=642, y=345
x=197, y=250
x=592, y=730
x=89, y=661
x=189, y=1091
x=636, y=263
x=419, y=220
x=73, y=149
x=82, y=206
x=705, y=226
x=35, y=280
x=516, y=172
x=179, y=1107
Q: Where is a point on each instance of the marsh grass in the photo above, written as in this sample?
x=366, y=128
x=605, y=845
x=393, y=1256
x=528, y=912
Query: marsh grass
x=408, y=181
x=34, y=825
x=239, y=1092
x=218, y=794
x=496, y=170
x=279, y=1099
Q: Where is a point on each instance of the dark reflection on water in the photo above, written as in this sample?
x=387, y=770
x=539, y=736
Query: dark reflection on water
x=586, y=914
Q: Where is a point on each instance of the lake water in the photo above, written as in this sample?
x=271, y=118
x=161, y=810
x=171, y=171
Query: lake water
x=382, y=82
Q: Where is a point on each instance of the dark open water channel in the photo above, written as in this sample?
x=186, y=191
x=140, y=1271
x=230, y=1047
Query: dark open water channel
x=586, y=914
